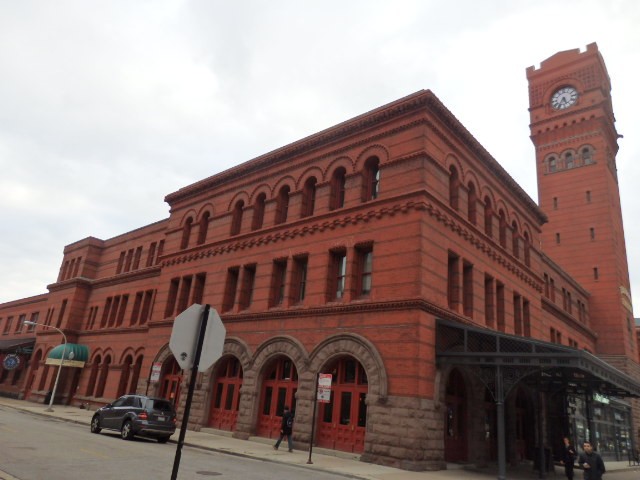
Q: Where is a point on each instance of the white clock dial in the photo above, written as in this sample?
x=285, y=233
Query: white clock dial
x=564, y=98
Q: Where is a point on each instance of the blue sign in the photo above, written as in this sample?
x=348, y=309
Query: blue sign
x=11, y=362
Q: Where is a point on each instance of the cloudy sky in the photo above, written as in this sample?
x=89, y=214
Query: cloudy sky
x=106, y=107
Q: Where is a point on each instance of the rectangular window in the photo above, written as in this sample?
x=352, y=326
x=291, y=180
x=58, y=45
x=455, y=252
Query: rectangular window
x=337, y=275
x=198, y=288
x=489, y=303
x=146, y=306
x=136, y=258
x=592, y=233
x=248, y=282
x=34, y=319
x=61, y=314
x=230, y=288
x=151, y=254
x=552, y=289
x=114, y=310
x=526, y=317
x=467, y=289
x=546, y=285
x=20, y=323
x=7, y=326
x=500, y=314
x=137, y=303
x=122, y=309
x=299, y=285
x=453, y=281
x=517, y=314
x=558, y=238
x=364, y=270
x=555, y=203
x=171, y=298
x=588, y=196
x=595, y=273
x=120, y=262
x=278, y=279
x=183, y=297
x=128, y=261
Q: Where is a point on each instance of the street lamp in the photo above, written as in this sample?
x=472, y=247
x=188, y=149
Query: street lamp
x=64, y=352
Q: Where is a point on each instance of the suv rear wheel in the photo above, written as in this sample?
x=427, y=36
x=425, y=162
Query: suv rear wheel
x=127, y=431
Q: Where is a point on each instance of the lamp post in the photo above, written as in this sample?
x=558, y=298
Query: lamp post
x=64, y=352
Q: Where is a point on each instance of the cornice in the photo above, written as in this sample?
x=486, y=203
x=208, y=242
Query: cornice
x=141, y=274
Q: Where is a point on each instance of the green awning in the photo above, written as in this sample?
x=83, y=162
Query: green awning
x=74, y=355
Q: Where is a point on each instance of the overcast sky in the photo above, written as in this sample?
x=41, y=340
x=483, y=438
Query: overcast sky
x=106, y=107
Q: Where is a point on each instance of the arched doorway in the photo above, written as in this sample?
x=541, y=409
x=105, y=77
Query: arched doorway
x=171, y=380
x=278, y=389
x=342, y=422
x=455, y=419
x=226, y=394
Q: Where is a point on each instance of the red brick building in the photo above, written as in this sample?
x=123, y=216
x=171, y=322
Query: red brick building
x=392, y=251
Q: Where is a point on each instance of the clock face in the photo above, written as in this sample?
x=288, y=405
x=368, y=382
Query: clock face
x=564, y=98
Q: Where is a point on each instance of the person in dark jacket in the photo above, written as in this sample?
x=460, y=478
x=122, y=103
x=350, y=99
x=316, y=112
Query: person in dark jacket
x=591, y=462
x=568, y=458
x=286, y=428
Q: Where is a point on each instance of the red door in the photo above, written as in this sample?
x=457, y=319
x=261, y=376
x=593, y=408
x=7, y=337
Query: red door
x=455, y=421
x=226, y=395
x=278, y=389
x=342, y=422
x=171, y=380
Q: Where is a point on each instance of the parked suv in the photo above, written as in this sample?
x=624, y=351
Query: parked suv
x=137, y=415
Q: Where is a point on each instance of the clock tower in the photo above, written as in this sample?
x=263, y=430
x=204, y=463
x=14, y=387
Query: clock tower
x=575, y=138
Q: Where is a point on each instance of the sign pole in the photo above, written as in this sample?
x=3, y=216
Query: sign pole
x=313, y=419
x=192, y=386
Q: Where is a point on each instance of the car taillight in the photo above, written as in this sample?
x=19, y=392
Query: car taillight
x=143, y=416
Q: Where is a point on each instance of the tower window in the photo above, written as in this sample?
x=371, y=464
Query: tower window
x=595, y=273
x=552, y=164
x=555, y=203
x=558, y=238
x=588, y=196
x=592, y=233
x=568, y=160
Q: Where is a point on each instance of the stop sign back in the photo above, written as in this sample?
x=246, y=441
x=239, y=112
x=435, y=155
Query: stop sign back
x=184, y=338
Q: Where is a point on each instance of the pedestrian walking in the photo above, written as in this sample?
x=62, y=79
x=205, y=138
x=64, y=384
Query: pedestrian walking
x=568, y=458
x=286, y=429
x=591, y=462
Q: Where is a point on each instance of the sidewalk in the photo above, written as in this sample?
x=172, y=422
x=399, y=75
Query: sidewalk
x=325, y=460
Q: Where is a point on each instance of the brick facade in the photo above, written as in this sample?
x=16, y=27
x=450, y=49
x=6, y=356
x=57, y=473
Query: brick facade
x=346, y=245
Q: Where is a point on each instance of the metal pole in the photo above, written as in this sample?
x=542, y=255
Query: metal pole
x=502, y=457
x=55, y=385
x=192, y=385
x=64, y=352
x=313, y=419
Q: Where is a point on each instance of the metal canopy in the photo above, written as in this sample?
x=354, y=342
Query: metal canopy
x=12, y=344
x=546, y=366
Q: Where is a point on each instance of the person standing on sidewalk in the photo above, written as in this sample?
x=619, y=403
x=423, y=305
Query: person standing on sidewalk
x=568, y=458
x=286, y=429
x=591, y=462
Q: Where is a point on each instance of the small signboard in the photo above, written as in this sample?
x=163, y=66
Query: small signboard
x=324, y=388
x=156, y=368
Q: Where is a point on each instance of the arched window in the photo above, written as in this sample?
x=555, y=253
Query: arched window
x=527, y=249
x=515, y=239
x=309, y=197
x=337, y=188
x=587, y=156
x=371, y=183
x=282, y=205
x=204, y=227
x=236, y=221
x=472, y=204
x=186, y=233
x=454, y=187
x=503, y=229
x=258, y=212
x=568, y=160
x=488, y=217
x=104, y=374
x=552, y=164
